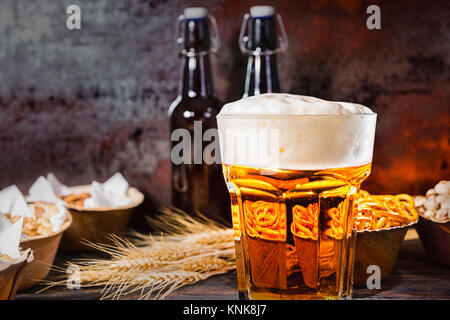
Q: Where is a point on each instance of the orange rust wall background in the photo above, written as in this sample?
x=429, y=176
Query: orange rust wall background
x=85, y=104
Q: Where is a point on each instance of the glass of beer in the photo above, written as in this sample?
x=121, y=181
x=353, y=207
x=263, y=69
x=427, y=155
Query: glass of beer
x=293, y=167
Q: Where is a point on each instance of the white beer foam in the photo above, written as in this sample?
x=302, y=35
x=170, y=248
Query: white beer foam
x=282, y=103
x=285, y=131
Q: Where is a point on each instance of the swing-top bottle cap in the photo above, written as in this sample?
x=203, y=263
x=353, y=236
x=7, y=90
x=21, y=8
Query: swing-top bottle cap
x=195, y=13
x=262, y=11
x=195, y=39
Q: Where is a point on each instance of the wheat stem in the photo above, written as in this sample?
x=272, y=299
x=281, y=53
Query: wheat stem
x=188, y=250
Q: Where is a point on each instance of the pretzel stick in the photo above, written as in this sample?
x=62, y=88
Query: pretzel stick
x=375, y=212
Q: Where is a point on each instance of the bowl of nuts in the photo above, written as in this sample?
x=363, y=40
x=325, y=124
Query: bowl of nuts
x=35, y=225
x=97, y=210
x=40, y=235
x=95, y=224
x=434, y=222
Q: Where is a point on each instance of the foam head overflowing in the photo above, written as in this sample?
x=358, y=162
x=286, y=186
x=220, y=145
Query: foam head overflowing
x=284, y=131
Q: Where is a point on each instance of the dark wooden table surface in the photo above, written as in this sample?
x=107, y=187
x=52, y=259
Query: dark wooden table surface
x=413, y=277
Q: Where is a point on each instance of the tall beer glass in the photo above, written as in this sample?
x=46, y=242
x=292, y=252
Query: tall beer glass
x=293, y=166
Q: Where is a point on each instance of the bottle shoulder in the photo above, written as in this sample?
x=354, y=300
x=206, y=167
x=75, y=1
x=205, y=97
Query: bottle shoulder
x=195, y=104
x=174, y=105
x=184, y=112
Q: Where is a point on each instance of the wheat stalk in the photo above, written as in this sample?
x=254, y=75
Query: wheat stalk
x=187, y=251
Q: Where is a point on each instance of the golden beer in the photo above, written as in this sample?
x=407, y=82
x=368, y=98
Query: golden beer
x=293, y=230
x=293, y=176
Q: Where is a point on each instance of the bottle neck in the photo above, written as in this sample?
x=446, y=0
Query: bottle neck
x=262, y=71
x=262, y=76
x=196, y=80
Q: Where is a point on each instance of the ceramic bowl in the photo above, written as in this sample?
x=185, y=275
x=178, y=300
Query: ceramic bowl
x=95, y=225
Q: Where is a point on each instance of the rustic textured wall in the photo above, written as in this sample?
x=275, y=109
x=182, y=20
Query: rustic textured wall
x=87, y=103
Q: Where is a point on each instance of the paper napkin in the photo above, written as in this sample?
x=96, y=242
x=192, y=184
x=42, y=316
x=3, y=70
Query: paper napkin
x=42, y=190
x=57, y=220
x=10, y=234
x=57, y=186
x=13, y=202
x=112, y=193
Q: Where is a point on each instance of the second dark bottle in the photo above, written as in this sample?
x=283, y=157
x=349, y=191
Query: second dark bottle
x=260, y=41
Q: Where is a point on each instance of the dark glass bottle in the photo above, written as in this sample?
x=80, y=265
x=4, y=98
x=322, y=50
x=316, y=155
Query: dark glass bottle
x=197, y=187
x=262, y=45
